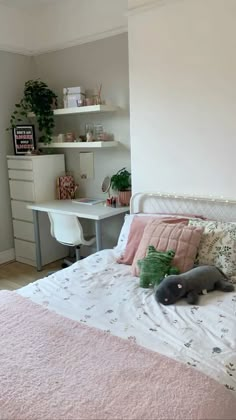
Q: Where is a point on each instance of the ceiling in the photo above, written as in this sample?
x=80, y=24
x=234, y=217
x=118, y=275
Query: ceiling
x=19, y=4
x=51, y=15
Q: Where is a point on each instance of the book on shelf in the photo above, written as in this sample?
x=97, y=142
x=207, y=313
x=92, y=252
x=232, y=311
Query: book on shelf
x=88, y=201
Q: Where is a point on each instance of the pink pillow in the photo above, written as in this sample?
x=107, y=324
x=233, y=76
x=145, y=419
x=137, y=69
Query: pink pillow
x=136, y=232
x=165, y=236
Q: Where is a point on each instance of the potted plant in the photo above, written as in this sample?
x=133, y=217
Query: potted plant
x=121, y=182
x=39, y=100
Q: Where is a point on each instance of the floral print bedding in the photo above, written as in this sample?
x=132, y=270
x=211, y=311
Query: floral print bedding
x=218, y=245
x=99, y=292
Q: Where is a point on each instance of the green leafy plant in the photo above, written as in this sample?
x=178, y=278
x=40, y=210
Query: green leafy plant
x=121, y=181
x=39, y=100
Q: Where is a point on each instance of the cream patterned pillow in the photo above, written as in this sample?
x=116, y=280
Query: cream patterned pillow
x=218, y=245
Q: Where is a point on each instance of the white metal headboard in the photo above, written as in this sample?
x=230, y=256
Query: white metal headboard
x=216, y=208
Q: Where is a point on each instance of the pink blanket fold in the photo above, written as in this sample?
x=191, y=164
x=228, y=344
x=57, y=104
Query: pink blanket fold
x=56, y=368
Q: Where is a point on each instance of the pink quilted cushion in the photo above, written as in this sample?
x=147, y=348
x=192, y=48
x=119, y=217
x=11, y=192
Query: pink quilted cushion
x=136, y=232
x=184, y=240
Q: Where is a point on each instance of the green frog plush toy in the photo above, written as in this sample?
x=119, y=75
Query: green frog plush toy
x=155, y=266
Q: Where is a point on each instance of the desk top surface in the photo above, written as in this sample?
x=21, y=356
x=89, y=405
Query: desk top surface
x=85, y=211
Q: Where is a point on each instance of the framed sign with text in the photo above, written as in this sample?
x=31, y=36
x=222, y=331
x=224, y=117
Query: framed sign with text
x=24, y=139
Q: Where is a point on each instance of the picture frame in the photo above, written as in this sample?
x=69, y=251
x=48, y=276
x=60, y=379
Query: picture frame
x=24, y=138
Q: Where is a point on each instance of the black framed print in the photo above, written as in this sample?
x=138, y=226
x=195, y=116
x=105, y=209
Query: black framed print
x=24, y=139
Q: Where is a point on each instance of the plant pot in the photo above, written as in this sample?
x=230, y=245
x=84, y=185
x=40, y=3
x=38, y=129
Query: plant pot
x=124, y=197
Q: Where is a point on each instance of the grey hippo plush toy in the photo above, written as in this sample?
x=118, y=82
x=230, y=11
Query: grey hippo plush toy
x=199, y=280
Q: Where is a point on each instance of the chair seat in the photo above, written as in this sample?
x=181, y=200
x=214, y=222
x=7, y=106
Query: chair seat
x=67, y=230
x=88, y=241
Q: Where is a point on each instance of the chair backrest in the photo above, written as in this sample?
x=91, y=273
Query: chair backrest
x=66, y=229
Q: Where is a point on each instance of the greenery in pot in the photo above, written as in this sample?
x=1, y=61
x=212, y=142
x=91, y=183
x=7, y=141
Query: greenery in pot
x=121, y=181
x=40, y=100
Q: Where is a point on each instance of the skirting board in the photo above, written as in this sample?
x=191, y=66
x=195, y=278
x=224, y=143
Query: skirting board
x=8, y=255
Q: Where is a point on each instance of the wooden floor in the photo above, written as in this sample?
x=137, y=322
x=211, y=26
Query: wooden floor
x=15, y=275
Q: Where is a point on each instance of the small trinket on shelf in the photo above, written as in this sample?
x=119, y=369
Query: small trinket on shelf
x=89, y=136
x=89, y=130
x=98, y=98
x=89, y=101
x=73, y=96
x=70, y=137
x=61, y=138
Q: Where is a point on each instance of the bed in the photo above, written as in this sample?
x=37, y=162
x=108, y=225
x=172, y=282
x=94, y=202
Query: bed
x=165, y=362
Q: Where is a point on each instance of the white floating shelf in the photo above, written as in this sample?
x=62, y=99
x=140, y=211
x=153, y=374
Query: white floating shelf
x=82, y=110
x=79, y=145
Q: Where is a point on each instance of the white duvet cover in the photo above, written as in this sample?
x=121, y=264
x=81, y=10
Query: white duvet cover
x=101, y=293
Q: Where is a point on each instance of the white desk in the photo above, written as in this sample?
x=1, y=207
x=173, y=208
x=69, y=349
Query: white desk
x=97, y=212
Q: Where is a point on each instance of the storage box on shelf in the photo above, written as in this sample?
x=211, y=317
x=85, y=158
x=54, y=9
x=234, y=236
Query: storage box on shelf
x=33, y=179
x=73, y=96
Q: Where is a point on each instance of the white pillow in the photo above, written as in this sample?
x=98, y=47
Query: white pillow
x=124, y=233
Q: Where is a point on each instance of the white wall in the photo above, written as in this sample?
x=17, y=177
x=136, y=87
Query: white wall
x=183, y=97
x=14, y=71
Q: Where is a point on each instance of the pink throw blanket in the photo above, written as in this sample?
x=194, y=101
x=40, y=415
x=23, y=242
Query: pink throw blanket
x=55, y=368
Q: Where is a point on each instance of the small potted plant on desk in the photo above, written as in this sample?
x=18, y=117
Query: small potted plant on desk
x=121, y=182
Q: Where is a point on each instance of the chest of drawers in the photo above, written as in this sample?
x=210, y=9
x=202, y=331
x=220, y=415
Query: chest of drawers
x=33, y=179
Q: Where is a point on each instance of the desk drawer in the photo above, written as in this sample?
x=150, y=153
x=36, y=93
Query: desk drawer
x=19, y=164
x=22, y=190
x=23, y=230
x=22, y=175
x=25, y=249
x=20, y=211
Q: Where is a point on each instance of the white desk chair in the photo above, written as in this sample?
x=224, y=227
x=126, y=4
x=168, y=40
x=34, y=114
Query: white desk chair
x=68, y=231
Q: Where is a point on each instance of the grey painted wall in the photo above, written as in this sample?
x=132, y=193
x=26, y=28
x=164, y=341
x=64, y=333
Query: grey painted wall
x=14, y=71
x=104, y=61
